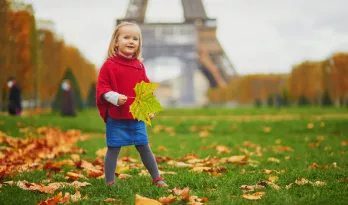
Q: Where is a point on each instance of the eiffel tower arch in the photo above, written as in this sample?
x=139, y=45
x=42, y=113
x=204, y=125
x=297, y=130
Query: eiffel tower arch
x=192, y=42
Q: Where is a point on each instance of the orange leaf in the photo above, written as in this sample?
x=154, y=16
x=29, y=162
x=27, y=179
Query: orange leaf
x=222, y=149
x=73, y=176
x=140, y=200
x=94, y=173
x=167, y=200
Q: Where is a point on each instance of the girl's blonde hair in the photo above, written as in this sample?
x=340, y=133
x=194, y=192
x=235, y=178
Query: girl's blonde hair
x=112, y=46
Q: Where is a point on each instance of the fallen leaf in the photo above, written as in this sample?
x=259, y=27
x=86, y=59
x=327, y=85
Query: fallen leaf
x=267, y=129
x=167, y=200
x=302, y=181
x=280, y=149
x=222, y=149
x=111, y=200
x=94, y=173
x=124, y=176
x=272, y=159
x=319, y=183
x=165, y=173
x=194, y=200
x=310, y=125
x=235, y=159
x=140, y=200
x=251, y=188
x=122, y=168
x=273, y=178
x=73, y=176
x=267, y=171
x=204, y=133
x=273, y=185
x=344, y=143
x=160, y=159
x=76, y=197
x=75, y=157
x=179, y=164
x=201, y=169
x=254, y=196
x=162, y=148
x=101, y=152
x=250, y=144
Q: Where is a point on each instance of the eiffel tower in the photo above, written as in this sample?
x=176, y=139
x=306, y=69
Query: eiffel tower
x=193, y=42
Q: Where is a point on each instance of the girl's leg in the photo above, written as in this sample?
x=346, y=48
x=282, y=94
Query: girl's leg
x=110, y=163
x=150, y=163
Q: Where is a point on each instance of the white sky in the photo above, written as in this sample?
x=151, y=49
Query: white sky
x=267, y=36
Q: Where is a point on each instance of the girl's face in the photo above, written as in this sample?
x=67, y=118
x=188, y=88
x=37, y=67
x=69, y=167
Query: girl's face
x=128, y=41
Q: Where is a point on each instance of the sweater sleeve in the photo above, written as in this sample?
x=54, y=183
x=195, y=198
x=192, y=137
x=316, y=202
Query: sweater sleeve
x=103, y=84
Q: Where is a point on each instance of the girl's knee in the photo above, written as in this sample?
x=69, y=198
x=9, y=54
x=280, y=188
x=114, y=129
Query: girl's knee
x=143, y=148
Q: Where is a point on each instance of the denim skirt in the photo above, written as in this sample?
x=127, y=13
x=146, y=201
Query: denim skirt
x=124, y=132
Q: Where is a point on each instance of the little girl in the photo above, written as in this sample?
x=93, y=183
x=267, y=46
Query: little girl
x=116, y=81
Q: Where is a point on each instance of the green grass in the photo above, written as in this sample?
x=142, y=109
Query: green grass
x=232, y=129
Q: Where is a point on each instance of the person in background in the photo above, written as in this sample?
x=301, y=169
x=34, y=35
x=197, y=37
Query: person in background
x=68, y=104
x=14, y=98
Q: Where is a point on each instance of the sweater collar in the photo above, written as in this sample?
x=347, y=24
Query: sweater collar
x=132, y=62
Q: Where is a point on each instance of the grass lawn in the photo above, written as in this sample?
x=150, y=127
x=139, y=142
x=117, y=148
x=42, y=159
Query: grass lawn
x=285, y=156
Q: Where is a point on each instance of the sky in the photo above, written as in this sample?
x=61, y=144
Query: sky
x=268, y=36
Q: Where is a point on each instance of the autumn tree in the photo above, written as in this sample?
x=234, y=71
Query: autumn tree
x=52, y=65
x=91, y=100
x=4, y=39
x=339, y=73
x=21, y=47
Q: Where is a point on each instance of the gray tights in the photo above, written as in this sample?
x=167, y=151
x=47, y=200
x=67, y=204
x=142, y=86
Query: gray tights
x=146, y=155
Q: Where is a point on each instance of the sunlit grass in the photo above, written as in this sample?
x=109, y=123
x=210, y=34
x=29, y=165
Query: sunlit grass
x=314, y=138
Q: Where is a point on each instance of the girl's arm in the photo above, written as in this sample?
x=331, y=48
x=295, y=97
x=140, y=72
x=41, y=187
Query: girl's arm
x=104, y=91
x=112, y=97
x=103, y=84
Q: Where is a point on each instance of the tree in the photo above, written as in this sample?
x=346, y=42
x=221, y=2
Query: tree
x=270, y=100
x=303, y=101
x=285, y=98
x=258, y=102
x=326, y=100
x=91, y=101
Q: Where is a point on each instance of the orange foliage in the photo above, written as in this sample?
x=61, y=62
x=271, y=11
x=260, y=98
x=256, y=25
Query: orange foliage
x=19, y=53
x=85, y=72
x=248, y=88
x=339, y=72
x=313, y=79
x=307, y=79
x=37, y=57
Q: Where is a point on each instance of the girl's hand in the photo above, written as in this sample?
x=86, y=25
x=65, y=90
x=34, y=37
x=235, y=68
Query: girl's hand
x=151, y=115
x=122, y=99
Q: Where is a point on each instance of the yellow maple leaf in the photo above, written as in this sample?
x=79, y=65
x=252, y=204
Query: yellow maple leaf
x=145, y=102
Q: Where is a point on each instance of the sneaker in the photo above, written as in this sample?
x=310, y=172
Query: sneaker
x=110, y=183
x=159, y=182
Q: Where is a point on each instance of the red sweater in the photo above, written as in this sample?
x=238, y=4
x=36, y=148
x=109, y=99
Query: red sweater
x=119, y=74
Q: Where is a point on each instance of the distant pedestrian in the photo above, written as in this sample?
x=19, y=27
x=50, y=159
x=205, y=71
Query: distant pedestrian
x=68, y=104
x=14, y=99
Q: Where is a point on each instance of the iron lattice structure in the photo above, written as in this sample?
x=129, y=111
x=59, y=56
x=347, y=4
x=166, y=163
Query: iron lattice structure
x=179, y=40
